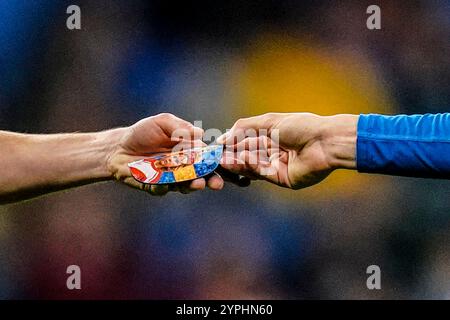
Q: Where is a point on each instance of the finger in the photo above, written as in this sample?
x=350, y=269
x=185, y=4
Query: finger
x=265, y=146
x=230, y=158
x=264, y=169
x=154, y=190
x=215, y=181
x=232, y=136
x=159, y=190
x=251, y=144
x=251, y=164
x=130, y=181
x=251, y=160
x=188, y=144
x=256, y=157
x=259, y=149
x=236, y=167
x=246, y=127
x=177, y=128
x=197, y=184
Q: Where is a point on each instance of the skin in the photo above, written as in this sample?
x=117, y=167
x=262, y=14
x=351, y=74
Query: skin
x=33, y=165
x=309, y=147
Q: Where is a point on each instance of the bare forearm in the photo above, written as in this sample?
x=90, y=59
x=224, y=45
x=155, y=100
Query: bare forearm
x=33, y=165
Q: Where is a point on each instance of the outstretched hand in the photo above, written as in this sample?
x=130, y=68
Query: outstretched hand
x=293, y=150
x=160, y=133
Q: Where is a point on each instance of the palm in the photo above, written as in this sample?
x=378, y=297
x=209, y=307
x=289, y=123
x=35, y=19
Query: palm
x=302, y=162
x=291, y=168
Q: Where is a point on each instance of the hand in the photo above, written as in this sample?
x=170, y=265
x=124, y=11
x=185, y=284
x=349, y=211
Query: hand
x=299, y=149
x=155, y=134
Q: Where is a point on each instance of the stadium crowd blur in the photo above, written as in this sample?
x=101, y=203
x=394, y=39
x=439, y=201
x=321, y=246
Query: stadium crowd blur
x=217, y=62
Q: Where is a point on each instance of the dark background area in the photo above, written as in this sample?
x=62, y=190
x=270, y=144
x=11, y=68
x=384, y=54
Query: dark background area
x=216, y=62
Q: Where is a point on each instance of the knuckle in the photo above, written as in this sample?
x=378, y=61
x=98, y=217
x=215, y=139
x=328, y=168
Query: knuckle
x=166, y=116
x=240, y=122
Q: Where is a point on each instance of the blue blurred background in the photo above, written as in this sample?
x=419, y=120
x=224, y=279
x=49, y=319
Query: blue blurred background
x=216, y=62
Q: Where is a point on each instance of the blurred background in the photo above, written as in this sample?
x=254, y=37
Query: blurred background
x=217, y=62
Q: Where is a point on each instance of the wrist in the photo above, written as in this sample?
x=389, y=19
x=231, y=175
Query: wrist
x=111, y=140
x=339, y=134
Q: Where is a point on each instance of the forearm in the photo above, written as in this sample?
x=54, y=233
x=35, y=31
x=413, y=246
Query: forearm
x=33, y=165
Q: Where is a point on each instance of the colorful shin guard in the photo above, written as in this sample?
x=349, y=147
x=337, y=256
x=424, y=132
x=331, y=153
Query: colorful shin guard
x=177, y=166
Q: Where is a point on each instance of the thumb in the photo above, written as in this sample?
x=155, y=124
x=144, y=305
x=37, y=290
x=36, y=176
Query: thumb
x=248, y=127
x=178, y=129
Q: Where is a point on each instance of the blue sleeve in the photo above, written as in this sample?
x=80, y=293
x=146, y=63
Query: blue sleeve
x=414, y=146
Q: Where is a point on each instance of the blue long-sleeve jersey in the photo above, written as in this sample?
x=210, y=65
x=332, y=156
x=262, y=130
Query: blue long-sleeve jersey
x=414, y=145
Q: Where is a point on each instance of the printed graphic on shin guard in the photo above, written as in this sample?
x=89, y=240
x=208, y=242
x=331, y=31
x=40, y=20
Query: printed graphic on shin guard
x=178, y=166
